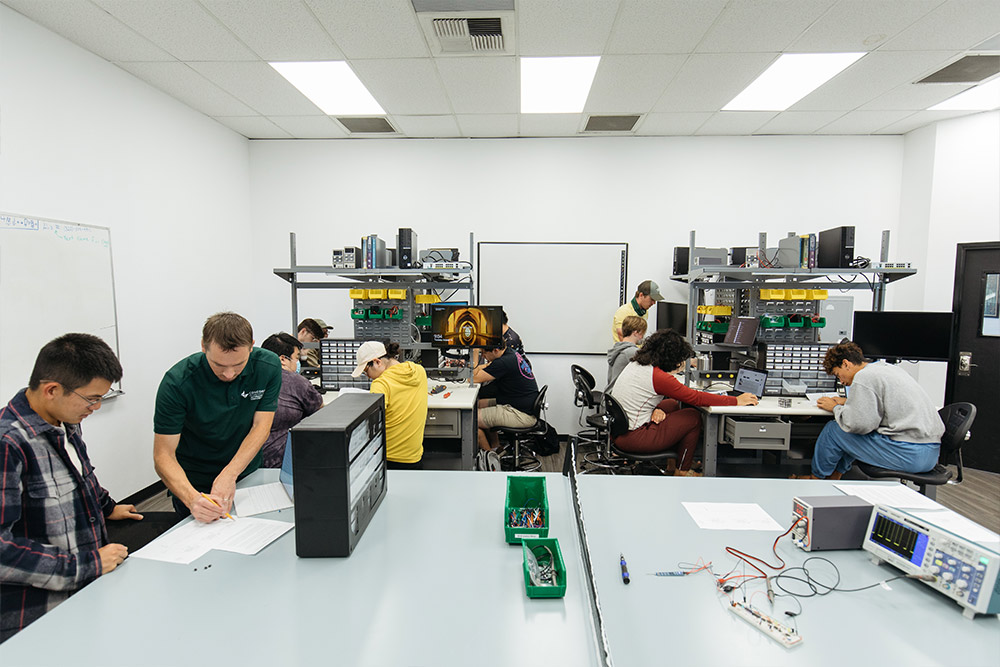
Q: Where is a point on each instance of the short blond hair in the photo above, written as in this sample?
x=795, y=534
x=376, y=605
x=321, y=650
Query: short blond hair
x=633, y=324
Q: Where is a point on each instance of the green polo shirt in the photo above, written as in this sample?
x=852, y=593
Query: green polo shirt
x=211, y=416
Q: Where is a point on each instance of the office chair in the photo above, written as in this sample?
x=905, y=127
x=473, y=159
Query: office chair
x=957, y=418
x=586, y=398
x=523, y=436
x=618, y=425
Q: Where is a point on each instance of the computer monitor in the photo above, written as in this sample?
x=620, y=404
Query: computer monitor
x=672, y=316
x=904, y=335
x=466, y=326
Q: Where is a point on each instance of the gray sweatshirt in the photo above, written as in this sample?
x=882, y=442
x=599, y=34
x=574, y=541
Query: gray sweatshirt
x=886, y=399
x=618, y=358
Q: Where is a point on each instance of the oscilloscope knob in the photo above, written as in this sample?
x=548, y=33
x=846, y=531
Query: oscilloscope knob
x=947, y=576
x=935, y=569
x=961, y=583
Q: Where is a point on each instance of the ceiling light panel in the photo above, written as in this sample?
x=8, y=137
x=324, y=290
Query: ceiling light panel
x=556, y=85
x=789, y=79
x=332, y=86
x=984, y=97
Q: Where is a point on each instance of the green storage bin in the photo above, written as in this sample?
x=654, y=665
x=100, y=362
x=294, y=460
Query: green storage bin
x=359, y=314
x=376, y=313
x=389, y=315
x=816, y=322
x=525, y=492
x=797, y=321
x=422, y=320
x=773, y=321
x=713, y=327
x=541, y=548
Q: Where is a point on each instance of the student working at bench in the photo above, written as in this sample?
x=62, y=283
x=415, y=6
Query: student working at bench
x=299, y=398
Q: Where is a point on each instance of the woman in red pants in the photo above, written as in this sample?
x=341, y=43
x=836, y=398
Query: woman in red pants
x=651, y=396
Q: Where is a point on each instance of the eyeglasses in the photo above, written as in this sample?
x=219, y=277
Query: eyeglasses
x=90, y=401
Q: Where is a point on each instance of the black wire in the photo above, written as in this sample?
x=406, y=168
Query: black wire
x=817, y=587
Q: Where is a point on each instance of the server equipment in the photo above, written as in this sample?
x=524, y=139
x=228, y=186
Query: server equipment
x=829, y=522
x=703, y=257
x=836, y=248
x=406, y=247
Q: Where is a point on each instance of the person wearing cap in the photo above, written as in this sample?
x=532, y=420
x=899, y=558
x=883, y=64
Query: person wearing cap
x=404, y=386
x=646, y=295
x=311, y=330
x=299, y=398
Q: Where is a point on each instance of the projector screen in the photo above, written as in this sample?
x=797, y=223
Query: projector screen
x=559, y=297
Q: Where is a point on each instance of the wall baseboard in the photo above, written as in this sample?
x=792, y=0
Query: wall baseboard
x=144, y=494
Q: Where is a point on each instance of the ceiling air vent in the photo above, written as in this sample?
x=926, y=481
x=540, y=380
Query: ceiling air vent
x=372, y=124
x=469, y=35
x=970, y=69
x=611, y=123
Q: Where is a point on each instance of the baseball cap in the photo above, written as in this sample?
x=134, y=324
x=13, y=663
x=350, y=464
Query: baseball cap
x=322, y=325
x=652, y=289
x=369, y=351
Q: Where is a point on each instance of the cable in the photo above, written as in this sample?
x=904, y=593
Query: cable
x=818, y=588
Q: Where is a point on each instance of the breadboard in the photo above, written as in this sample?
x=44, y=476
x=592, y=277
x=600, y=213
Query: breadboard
x=779, y=632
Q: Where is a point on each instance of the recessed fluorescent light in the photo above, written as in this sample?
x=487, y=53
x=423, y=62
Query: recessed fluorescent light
x=556, y=85
x=983, y=97
x=332, y=86
x=789, y=79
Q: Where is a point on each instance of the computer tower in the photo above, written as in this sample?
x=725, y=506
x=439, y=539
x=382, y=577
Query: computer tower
x=836, y=248
x=338, y=474
x=406, y=247
x=682, y=255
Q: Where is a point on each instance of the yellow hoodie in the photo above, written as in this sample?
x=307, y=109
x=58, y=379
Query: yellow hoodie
x=405, y=389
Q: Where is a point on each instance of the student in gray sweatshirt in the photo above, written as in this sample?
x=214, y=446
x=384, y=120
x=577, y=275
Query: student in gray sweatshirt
x=886, y=420
x=633, y=330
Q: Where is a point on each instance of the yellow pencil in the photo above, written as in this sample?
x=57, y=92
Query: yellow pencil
x=208, y=497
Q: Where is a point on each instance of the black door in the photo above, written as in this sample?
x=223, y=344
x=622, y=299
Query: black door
x=974, y=369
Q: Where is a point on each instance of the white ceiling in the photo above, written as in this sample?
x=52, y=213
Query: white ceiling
x=674, y=62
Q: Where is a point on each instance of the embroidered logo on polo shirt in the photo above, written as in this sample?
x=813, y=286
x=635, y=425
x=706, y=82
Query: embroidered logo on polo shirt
x=254, y=395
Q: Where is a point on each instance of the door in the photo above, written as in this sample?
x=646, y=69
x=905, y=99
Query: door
x=974, y=369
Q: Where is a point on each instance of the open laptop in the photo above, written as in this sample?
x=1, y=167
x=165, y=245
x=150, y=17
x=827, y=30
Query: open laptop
x=749, y=381
x=742, y=332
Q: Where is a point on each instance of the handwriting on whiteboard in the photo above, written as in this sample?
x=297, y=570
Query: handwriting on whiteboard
x=66, y=232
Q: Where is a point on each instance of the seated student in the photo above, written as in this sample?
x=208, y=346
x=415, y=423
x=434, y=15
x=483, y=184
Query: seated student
x=311, y=330
x=511, y=338
x=508, y=395
x=650, y=396
x=404, y=385
x=298, y=399
x=53, y=539
x=886, y=420
x=633, y=331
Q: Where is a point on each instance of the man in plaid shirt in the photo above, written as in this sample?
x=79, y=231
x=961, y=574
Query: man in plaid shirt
x=53, y=539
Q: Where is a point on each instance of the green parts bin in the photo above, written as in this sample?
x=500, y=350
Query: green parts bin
x=526, y=509
x=546, y=554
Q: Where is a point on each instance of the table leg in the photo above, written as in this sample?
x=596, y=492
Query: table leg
x=711, y=434
x=470, y=442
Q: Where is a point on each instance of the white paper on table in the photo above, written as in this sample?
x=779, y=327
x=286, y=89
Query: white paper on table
x=248, y=536
x=192, y=540
x=352, y=390
x=959, y=525
x=263, y=498
x=731, y=516
x=893, y=495
x=818, y=395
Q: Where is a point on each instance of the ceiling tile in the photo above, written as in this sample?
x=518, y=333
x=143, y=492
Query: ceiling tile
x=254, y=127
x=579, y=28
x=366, y=29
x=182, y=28
x=259, y=86
x=488, y=125
x=920, y=119
x=427, y=126
x=670, y=124
x=735, y=122
x=707, y=82
x=481, y=85
x=955, y=25
x=799, y=122
x=863, y=122
x=277, y=30
x=860, y=25
x=404, y=86
x=631, y=83
x=761, y=26
x=188, y=86
x=550, y=124
x=662, y=26
x=81, y=22
x=915, y=96
x=310, y=127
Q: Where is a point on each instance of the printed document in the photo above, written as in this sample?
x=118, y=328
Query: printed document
x=731, y=516
x=260, y=499
x=193, y=539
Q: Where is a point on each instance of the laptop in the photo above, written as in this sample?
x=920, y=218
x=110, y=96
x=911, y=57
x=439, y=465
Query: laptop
x=749, y=381
x=742, y=332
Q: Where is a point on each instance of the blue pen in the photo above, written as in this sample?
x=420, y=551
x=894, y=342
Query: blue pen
x=625, y=578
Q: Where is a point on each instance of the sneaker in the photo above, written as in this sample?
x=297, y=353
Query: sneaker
x=492, y=462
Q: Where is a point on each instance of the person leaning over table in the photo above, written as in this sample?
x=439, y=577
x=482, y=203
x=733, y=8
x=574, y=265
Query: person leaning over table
x=507, y=396
x=53, y=537
x=651, y=395
x=214, y=411
x=404, y=386
x=299, y=398
x=886, y=420
x=311, y=330
x=646, y=295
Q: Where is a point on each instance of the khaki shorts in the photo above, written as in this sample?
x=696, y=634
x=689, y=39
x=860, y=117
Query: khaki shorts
x=505, y=415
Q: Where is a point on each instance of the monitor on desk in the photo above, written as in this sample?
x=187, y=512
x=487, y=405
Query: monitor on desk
x=904, y=335
x=466, y=326
x=750, y=381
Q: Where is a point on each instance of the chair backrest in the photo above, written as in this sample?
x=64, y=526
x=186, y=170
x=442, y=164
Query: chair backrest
x=584, y=394
x=585, y=374
x=536, y=410
x=617, y=419
x=957, y=418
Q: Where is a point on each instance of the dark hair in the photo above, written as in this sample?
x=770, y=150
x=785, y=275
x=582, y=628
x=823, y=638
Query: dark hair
x=313, y=327
x=73, y=360
x=499, y=345
x=391, y=349
x=282, y=344
x=666, y=349
x=227, y=330
x=838, y=354
x=503, y=316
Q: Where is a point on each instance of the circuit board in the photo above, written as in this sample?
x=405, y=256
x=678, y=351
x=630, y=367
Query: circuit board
x=779, y=632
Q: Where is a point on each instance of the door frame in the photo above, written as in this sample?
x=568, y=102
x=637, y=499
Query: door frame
x=956, y=307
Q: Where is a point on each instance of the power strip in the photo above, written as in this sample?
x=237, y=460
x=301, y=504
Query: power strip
x=779, y=632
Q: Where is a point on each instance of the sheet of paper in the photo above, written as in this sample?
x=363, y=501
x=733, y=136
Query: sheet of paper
x=248, y=536
x=192, y=540
x=263, y=498
x=893, y=495
x=813, y=397
x=959, y=525
x=731, y=516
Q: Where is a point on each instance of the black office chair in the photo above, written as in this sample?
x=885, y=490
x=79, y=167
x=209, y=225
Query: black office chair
x=522, y=438
x=586, y=397
x=957, y=418
x=618, y=425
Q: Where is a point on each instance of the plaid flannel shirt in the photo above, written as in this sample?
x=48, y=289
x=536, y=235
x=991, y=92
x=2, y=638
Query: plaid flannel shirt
x=51, y=516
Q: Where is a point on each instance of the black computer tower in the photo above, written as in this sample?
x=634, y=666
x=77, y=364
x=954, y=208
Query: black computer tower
x=836, y=248
x=338, y=474
x=682, y=257
x=406, y=247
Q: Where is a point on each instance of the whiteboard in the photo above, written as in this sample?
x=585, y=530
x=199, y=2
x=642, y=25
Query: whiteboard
x=55, y=278
x=559, y=297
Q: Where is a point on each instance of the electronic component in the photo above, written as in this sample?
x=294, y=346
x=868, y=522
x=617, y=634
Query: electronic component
x=836, y=248
x=348, y=258
x=963, y=570
x=438, y=255
x=374, y=252
x=441, y=265
x=406, y=247
x=829, y=522
x=703, y=257
x=776, y=630
x=789, y=252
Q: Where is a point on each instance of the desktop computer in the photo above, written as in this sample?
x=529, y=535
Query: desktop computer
x=836, y=248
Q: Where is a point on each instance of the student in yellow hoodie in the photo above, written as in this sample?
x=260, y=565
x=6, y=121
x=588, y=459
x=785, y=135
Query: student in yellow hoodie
x=404, y=385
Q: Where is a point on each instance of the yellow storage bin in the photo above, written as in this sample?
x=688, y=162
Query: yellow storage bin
x=715, y=310
x=376, y=293
x=427, y=298
x=797, y=294
x=359, y=294
x=399, y=294
x=772, y=294
x=817, y=294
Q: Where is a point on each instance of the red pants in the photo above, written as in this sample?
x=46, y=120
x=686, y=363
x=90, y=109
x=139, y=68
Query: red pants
x=681, y=429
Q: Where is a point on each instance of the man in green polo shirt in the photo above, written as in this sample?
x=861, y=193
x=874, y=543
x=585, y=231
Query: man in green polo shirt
x=646, y=295
x=213, y=413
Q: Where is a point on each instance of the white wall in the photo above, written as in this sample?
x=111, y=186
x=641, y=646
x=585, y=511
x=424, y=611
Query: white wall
x=83, y=141
x=645, y=191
